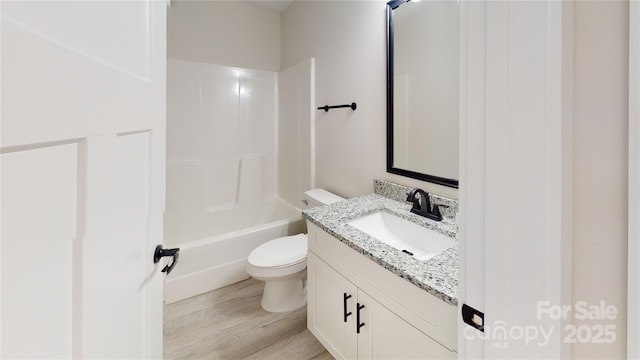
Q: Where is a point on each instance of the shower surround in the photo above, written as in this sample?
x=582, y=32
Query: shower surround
x=238, y=160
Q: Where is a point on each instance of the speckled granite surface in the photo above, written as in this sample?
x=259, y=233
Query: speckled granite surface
x=438, y=275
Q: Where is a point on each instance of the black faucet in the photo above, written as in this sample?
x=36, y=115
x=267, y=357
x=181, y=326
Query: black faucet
x=422, y=205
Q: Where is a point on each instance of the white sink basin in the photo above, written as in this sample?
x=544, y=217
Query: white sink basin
x=413, y=239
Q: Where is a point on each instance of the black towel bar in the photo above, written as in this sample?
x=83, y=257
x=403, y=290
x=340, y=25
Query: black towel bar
x=326, y=108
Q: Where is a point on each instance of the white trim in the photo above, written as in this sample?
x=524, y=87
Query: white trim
x=633, y=294
x=472, y=172
x=559, y=166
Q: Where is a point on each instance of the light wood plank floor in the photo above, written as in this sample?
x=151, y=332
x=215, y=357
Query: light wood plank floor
x=229, y=323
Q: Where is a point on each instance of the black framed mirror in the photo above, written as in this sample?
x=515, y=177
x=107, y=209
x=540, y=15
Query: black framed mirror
x=423, y=90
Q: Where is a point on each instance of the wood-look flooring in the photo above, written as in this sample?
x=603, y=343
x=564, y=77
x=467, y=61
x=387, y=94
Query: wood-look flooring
x=229, y=323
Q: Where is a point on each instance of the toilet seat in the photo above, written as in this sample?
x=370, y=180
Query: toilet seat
x=281, y=252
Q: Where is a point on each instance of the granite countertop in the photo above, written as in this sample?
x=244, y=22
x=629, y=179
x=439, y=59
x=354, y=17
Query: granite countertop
x=438, y=275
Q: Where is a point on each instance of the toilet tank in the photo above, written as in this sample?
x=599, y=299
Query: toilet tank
x=317, y=197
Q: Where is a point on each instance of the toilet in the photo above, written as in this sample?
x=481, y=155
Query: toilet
x=282, y=263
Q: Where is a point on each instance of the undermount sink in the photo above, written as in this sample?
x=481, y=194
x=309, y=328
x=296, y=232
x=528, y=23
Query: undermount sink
x=410, y=238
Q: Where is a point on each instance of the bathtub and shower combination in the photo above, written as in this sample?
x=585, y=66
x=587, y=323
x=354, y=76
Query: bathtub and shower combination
x=238, y=157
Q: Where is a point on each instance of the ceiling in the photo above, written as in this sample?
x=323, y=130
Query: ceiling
x=272, y=5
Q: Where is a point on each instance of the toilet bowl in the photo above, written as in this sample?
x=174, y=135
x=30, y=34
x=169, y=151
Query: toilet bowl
x=282, y=263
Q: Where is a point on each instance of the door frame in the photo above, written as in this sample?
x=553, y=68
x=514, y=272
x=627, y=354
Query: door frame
x=633, y=268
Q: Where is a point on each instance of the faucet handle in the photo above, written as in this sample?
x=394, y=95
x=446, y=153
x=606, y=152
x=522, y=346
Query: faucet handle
x=437, y=215
x=411, y=195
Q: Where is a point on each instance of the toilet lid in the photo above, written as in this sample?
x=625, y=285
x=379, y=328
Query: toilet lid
x=280, y=252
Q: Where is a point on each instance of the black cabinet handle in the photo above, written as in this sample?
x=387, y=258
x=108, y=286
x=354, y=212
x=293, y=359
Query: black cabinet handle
x=358, y=323
x=345, y=297
x=160, y=253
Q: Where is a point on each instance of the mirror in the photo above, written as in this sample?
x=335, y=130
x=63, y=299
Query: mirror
x=423, y=90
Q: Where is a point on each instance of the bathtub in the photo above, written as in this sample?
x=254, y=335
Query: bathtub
x=214, y=245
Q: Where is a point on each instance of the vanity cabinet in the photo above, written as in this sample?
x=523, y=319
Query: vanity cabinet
x=359, y=310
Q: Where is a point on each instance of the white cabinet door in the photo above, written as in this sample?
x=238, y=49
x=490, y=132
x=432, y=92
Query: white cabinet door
x=384, y=335
x=82, y=194
x=326, y=309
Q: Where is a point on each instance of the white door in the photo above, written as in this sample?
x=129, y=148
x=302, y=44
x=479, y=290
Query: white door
x=82, y=162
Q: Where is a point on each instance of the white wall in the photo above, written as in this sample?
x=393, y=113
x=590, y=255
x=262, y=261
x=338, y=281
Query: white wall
x=347, y=40
x=229, y=33
x=600, y=164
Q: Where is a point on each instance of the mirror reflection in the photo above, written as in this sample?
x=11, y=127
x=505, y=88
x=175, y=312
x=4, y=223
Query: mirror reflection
x=423, y=51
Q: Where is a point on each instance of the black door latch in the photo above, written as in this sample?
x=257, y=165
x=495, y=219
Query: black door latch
x=160, y=253
x=473, y=317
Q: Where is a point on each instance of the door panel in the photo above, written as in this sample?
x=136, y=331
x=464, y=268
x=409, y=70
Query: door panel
x=123, y=48
x=116, y=175
x=38, y=228
x=85, y=92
